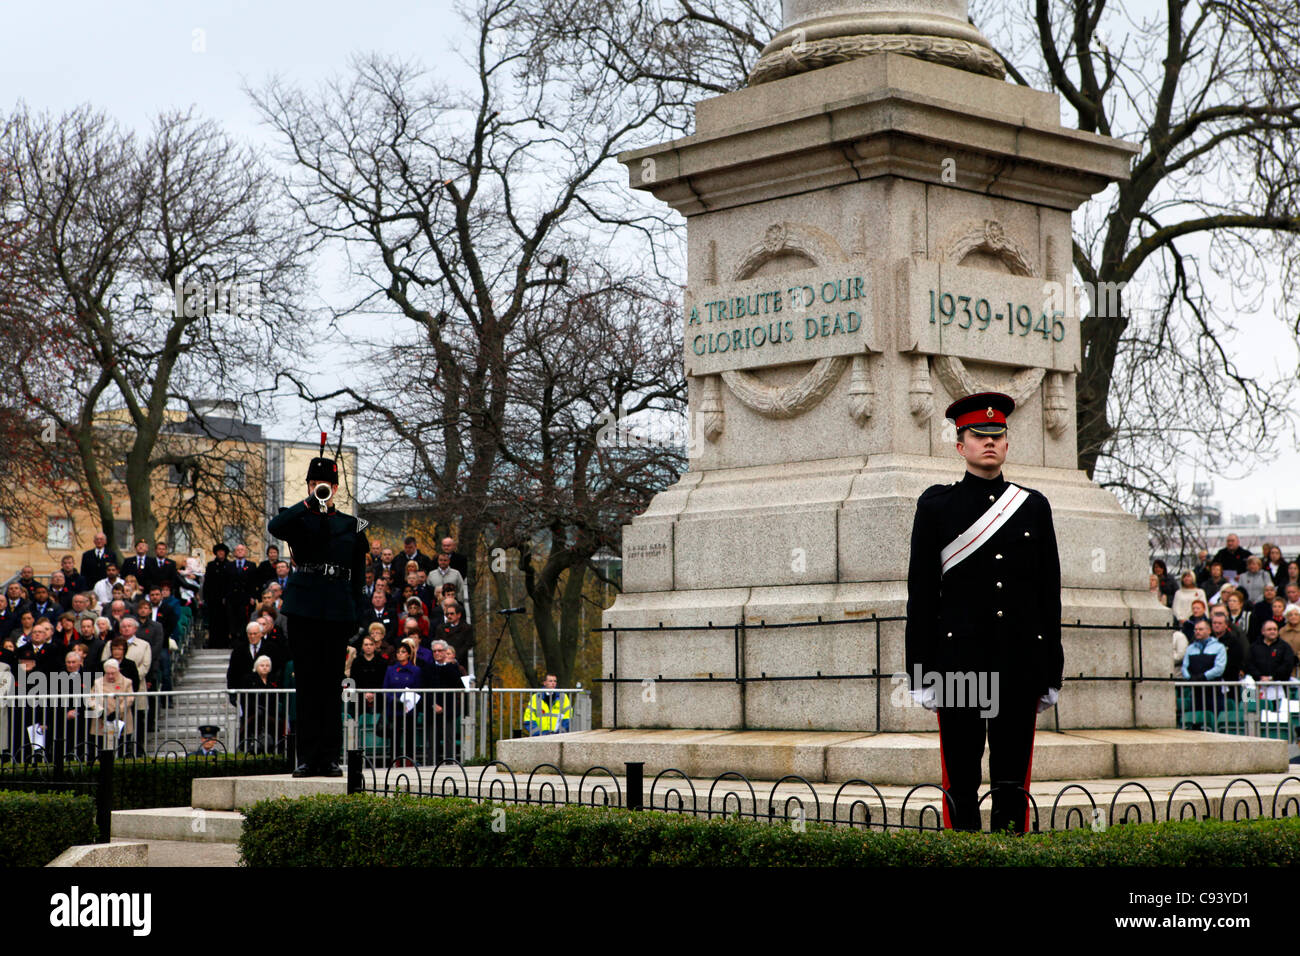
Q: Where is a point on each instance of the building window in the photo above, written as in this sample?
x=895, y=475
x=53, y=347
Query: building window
x=235, y=475
x=123, y=538
x=179, y=537
x=4, y=532
x=58, y=534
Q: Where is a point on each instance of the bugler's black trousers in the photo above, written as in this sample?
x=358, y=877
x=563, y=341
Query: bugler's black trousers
x=319, y=650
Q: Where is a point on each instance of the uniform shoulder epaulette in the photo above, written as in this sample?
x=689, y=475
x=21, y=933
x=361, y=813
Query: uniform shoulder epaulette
x=1039, y=497
x=935, y=491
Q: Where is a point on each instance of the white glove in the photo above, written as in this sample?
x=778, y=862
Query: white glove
x=1048, y=700
x=926, y=697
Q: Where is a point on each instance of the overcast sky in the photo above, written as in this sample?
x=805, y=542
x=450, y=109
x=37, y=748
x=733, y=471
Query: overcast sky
x=133, y=58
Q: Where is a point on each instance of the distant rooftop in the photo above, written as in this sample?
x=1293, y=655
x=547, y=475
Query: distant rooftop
x=221, y=428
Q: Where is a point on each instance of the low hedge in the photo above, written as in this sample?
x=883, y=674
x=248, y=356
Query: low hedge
x=141, y=784
x=37, y=827
x=146, y=782
x=367, y=830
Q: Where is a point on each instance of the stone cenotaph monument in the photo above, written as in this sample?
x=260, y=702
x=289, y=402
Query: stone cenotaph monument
x=877, y=225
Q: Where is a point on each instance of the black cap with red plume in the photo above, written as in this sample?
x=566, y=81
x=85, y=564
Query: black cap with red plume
x=322, y=468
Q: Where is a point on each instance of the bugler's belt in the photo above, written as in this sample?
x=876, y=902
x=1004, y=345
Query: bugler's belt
x=328, y=570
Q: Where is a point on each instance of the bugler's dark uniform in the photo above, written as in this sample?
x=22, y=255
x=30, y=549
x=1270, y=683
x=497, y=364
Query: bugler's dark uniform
x=997, y=610
x=322, y=603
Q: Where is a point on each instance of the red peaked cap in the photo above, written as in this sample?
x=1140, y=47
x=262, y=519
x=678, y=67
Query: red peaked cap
x=984, y=413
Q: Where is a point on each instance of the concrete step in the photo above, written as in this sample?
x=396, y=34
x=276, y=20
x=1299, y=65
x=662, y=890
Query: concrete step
x=893, y=758
x=178, y=823
x=172, y=853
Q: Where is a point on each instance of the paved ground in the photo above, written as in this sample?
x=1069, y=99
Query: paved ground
x=182, y=853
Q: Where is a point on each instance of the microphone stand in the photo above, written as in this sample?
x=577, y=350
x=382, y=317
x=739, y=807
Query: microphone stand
x=487, y=682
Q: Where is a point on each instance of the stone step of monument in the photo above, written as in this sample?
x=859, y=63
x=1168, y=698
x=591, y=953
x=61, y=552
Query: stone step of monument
x=173, y=853
x=892, y=758
x=178, y=823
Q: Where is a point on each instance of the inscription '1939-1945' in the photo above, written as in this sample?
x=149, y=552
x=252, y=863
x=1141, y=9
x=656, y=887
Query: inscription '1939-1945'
x=773, y=306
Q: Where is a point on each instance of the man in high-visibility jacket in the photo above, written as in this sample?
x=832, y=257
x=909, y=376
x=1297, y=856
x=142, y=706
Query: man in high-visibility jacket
x=547, y=711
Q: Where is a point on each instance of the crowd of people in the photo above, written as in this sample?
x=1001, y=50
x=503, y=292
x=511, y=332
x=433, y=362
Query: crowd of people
x=1238, y=614
x=412, y=632
x=115, y=622
x=112, y=624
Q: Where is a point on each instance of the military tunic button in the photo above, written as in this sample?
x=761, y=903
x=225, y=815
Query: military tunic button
x=999, y=613
x=1040, y=637
x=991, y=498
x=999, y=584
x=1026, y=534
x=998, y=557
x=950, y=633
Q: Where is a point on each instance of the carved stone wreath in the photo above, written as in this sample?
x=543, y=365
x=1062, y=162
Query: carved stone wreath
x=789, y=401
x=785, y=238
x=989, y=236
x=802, y=57
x=957, y=379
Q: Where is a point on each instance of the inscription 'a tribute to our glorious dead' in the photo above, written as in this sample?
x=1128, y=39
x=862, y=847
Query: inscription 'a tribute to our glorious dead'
x=775, y=320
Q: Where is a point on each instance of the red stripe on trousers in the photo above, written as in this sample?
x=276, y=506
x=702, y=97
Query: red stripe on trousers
x=1029, y=768
x=943, y=767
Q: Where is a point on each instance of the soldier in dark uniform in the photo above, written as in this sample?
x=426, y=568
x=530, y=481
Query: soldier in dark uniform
x=323, y=605
x=983, y=636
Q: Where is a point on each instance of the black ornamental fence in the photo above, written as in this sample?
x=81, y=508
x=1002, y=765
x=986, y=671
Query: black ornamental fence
x=127, y=782
x=795, y=800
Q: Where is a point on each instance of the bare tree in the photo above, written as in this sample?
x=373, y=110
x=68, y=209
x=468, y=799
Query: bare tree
x=463, y=215
x=156, y=271
x=1211, y=92
x=28, y=483
x=594, y=360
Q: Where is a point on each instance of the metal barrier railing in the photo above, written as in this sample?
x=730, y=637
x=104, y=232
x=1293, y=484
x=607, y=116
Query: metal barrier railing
x=426, y=726
x=744, y=671
x=416, y=725
x=1267, y=709
x=77, y=721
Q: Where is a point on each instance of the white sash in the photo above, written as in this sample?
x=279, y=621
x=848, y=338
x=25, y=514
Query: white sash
x=985, y=526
